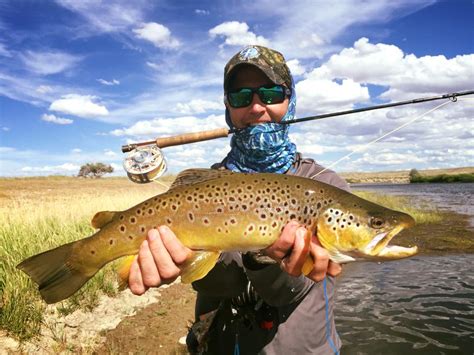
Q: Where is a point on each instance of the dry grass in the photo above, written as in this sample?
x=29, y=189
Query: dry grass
x=399, y=176
x=37, y=214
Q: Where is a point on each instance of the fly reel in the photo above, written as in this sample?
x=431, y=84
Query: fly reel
x=144, y=164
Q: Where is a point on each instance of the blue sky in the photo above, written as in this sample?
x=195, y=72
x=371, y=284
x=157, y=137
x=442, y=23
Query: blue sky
x=78, y=79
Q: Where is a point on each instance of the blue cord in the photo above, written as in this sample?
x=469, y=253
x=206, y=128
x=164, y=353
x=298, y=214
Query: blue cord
x=328, y=326
x=236, y=347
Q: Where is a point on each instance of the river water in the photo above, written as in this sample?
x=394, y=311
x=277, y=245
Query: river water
x=421, y=305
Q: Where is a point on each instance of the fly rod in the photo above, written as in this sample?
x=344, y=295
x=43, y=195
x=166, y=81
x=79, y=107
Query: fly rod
x=224, y=132
x=145, y=161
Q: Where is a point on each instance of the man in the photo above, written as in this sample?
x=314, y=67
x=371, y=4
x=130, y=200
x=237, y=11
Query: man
x=245, y=304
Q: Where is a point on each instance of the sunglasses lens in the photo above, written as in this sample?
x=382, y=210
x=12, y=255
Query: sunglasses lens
x=268, y=95
x=273, y=95
x=240, y=98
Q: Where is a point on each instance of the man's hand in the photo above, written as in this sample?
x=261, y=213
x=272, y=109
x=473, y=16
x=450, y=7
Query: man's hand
x=158, y=261
x=292, y=249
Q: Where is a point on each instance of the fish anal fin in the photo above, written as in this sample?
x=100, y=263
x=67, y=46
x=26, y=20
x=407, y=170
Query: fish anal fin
x=193, y=176
x=198, y=265
x=123, y=271
x=102, y=218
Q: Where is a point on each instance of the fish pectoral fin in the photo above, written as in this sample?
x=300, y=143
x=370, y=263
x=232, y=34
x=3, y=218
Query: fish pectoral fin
x=338, y=257
x=198, y=265
x=102, y=218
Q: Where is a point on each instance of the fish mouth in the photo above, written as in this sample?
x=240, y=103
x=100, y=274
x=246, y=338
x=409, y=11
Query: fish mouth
x=379, y=246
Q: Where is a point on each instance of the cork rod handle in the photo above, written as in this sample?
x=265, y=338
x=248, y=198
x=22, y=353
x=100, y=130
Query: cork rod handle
x=181, y=139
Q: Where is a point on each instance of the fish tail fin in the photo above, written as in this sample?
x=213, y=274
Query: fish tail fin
x=123, y=271
x=55, y=275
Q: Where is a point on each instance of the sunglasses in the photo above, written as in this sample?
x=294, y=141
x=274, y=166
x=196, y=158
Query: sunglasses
x=269, y=95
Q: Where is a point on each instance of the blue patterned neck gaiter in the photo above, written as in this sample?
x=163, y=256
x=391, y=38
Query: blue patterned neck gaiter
x=264, y=147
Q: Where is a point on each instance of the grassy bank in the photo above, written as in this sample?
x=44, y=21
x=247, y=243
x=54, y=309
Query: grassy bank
x=37, y=214
x=442, y=178
x=400, y=176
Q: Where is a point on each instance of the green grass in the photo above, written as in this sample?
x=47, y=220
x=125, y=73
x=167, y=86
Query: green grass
x=442, y=178
x=40, y=214
x=421, y=214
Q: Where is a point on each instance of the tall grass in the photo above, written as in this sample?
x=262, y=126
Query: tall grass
x=422, y=213
x=40, y=214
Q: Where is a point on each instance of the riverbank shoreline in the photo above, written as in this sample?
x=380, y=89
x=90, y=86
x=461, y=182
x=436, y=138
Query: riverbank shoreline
x=398, y=177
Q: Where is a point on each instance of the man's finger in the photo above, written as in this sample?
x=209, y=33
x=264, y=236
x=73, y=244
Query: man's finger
x=135, y=282
x=294, y=262
x=178, y=252
x=166, y=268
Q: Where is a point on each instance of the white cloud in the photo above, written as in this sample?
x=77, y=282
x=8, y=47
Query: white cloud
x=170, y=126
x=110, y=16
x=198, y=106
x=63, y=168
x=46, y=63
x=108, y=83
x=405, y=74
x=56, y=120
x=5, y=129
x=237, y=34
x=295, y=67
x=44, y=89
x=79, y=105
x=4, y=51
x=202, y=12
x=157, y=34
x=109, y=153
x=76, y=150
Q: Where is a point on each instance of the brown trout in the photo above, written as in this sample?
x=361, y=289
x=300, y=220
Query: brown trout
x=212, y=211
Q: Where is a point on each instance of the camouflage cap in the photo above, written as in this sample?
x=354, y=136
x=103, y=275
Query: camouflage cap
x=271, y=62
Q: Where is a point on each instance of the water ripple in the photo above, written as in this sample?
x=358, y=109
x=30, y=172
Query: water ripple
x=422, y=305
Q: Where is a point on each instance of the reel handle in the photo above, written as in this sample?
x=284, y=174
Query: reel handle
x=181, y=139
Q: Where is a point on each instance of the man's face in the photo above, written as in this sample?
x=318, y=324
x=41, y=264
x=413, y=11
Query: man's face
x=257, y=112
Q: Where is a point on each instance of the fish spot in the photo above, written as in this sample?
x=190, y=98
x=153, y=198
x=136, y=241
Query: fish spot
x=219, y=210
x=274, y=224
x=357, y=225
x=318, y=205
x=122, y=228
x=196, y=206
x=142, y=228
x=111, y=242
x=122, y=217
x=150, y=211
x=233, y=221
x=130, y=237
x=333, y=228
x=164, y=203
x=133, y=220
x=205, y=220
x=292, y=216
x=263, y=216
x=189, y=198
x=93, y=252
x=191, y=216
x=168, y=220
x=329, y=219
x=174, y=207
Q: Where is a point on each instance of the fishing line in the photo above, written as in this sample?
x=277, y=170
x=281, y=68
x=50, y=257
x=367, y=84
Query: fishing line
x=382, y=137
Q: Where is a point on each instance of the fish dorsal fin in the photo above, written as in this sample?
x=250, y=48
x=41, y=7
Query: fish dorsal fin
x=102, y=218
x=194, y=176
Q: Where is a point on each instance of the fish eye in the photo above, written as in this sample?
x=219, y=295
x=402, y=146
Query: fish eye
x=376, y=222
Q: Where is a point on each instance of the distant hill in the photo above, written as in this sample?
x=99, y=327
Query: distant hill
x=398, y=176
